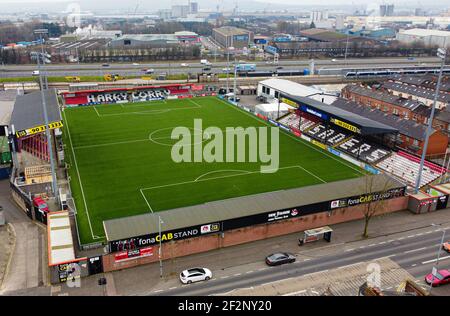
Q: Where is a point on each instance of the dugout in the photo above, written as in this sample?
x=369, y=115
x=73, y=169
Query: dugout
x=134, y=240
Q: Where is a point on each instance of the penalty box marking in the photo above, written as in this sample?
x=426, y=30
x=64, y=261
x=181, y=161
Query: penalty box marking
x=199, y=179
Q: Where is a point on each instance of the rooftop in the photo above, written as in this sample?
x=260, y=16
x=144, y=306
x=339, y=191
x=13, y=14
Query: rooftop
x=231, y=30
x=145, y=224
x=417, y=91
x=28, y=110
x=405, y=127
x=297, y=89
x=425, y=32
x=384, y=96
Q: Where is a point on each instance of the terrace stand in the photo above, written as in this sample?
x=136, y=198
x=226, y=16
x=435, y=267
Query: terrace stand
x=316, y=234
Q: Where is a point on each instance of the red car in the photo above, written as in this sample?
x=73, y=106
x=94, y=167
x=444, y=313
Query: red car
x=442, y=277
x=40, y=204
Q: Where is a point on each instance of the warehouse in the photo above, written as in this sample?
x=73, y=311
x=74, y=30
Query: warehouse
x=229, y=36
x=155, y=40
x=425, y=36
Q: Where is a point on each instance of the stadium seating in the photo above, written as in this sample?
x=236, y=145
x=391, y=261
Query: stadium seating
x=35, y=145
x=367, y=152
x=406, y=167
x=292, y=120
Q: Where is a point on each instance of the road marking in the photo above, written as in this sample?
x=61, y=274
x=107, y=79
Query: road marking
x=249, y=272
x=414, y=264
x=307, y=259
x=362, y=247
x=414, y=250
x=238, y=274
x=391, y=240
x=381, y=243
x=225, y=277
x=262, y=269
x=419, y=234
x=401, y=238
x=351, y=249
x=314, y=292
x=157, y=291
x=371, y=245
x=434, y=260
x=410, y=236
x=172, y=288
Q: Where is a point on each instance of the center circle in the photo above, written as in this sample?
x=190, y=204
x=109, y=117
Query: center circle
x=160, y=141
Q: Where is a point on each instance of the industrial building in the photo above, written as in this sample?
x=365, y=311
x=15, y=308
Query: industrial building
x=425, y=36
x=229, y=36
x=154, y=40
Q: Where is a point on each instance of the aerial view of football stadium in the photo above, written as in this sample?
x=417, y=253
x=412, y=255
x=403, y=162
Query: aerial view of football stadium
x=220, y=154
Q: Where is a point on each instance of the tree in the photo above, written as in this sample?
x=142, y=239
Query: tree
x=376, y=201
x=312, y=25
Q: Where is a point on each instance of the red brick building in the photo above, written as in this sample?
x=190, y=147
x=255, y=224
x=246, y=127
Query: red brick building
x=406, y=108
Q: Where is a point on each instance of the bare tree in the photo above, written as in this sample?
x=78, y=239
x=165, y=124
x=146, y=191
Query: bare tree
x=375, y=202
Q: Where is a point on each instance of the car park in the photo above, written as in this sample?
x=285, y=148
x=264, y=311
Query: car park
x=279, y=258
x=195, y=275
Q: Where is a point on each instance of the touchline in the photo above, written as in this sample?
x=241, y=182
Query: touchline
x=237, y=145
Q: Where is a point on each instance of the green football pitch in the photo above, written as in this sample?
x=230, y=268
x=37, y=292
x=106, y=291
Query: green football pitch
x=119, y=159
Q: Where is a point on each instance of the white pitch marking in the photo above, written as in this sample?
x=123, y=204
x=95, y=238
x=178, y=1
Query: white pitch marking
x=79, y=179
x=295, y=138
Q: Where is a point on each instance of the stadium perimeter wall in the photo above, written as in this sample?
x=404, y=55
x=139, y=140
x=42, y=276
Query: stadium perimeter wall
x=190, y=246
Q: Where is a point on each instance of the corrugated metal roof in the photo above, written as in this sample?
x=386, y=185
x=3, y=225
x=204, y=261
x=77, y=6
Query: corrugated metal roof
x=123, y=228
x=28, y=111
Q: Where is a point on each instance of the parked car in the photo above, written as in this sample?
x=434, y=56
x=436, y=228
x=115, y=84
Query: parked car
x=105, y=65
x=226, y=69
x=149, y=71
x=35, y=73
x=442, y=277
x=446, y=246
x=135, y=64
x=280, y=67
x=280, y=258
x=334, y=60
x=184, y=65
x=195, y=275
x=40, y=204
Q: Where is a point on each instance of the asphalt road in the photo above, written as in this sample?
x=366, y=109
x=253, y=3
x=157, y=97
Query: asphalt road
x=127, y=69
x=415, y=253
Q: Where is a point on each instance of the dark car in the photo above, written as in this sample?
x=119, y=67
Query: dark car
x=280, y=67
x=280, y=258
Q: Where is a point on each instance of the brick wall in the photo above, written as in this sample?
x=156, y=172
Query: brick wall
x=186, y=247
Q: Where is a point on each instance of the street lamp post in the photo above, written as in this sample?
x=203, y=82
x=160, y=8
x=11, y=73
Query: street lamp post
x=159, y=250
x=441, y=54
x=346, y=47
x=44, y=106
x=235, y=76
x=434, y=269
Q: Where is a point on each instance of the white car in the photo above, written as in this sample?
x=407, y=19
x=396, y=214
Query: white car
x=135, y=64
x=150, y=71
x=334, y=60
x=226, y=69
x=35, y=73
x=184, y=65
x=195, y=275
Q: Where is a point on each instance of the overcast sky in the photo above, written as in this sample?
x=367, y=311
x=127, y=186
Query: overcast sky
x=108, y=5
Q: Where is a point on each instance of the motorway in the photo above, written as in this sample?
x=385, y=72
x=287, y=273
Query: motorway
x=171, y=68
x=414, y=251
